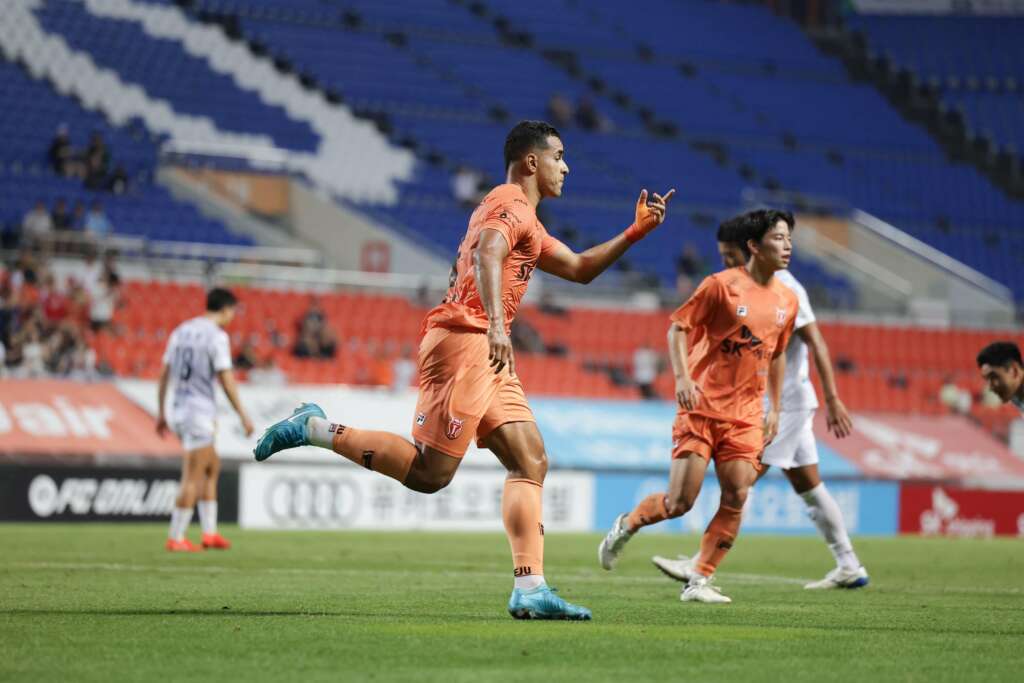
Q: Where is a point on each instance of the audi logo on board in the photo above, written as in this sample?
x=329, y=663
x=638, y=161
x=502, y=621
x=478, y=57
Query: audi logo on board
x=313, y=501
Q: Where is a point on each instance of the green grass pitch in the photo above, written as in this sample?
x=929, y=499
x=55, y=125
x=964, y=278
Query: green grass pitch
x=105, y=602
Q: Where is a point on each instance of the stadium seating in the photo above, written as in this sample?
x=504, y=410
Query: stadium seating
x=28, y=122
x=879, y=368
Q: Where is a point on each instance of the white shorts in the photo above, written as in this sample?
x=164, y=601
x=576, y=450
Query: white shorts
x=794, y=445
x=195, y=431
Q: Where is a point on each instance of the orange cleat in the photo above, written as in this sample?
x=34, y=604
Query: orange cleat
x=182, y=546
x=215, y=541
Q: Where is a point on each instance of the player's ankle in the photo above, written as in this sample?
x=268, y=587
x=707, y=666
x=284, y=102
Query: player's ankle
x=531, y=582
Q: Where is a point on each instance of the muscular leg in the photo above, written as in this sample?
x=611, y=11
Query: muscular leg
x=825, y=513
x=417, y=466
x=735, y=477
x=685, y=479
x=520, y=449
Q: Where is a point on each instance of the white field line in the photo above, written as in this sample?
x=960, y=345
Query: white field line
x=726, y=577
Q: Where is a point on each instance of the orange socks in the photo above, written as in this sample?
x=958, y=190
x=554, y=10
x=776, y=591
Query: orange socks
x=521, y=506
x=389, y=454
x=718, y=538
x=650, y=510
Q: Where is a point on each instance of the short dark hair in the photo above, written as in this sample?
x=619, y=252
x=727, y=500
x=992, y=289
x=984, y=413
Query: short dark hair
x=756, y=225
x=731, y=231
x=526, y=136
x=1000, y=354
x=218, y=298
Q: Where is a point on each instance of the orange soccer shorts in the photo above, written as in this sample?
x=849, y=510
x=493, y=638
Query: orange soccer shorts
x=721, y=439
x=461, y=397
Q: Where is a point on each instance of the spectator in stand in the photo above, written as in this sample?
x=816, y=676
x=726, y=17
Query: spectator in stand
x=78, y=216
x=53, y=303
x=60, y=215
x=247, y=358
x=98, y=152
x=690, y=269
x=645, y=370
x=96, y=221
x=60, y=154
x=466, y=186
x=560, y=111
x=589, y=118
x=104, y=296
x=118, y=181
x=36, y=224
x=315, y=338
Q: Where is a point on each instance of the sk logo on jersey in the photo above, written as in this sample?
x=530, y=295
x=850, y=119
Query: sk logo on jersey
x=735, y=348
x=454, y=429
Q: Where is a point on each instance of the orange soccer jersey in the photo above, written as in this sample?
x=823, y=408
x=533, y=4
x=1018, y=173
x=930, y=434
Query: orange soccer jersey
x=741, y=326
x=506, y=210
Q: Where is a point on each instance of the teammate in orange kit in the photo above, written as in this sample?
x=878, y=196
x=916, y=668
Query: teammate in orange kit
x=468, y=385
x=743, y=318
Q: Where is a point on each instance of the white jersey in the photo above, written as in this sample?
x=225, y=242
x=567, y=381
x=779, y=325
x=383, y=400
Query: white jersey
x=797, y=389
x=1019, y=403
x=197, y=350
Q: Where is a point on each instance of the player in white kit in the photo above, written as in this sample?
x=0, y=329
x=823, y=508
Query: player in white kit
x=198, y=354
x=794, y=449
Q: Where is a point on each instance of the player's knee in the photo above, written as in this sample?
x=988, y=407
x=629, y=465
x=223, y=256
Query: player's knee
x=677, y=507
x=735, y=497
x=431, y=482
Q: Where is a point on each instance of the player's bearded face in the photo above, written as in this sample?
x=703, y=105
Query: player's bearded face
x=551, y=168
x=1004, y=382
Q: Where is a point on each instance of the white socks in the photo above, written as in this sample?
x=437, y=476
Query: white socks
x=208, y=516
x=320, y=433
x=180, y=519
x=530, y=582
x=825, y=514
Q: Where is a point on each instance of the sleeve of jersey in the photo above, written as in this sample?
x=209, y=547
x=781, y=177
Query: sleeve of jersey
x=506, y=220
x=804, y=312
x=221, y=353
x=169, y=351
x=700, y=307
x=549, y=245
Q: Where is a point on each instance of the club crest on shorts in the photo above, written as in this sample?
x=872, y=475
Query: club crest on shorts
x=454, y=428
x=421, y=418
x=780, y=316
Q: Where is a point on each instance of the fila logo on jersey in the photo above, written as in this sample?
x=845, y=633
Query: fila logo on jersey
x=741, y=312
x=780, y=316
x=454, y=429
x=420, y=419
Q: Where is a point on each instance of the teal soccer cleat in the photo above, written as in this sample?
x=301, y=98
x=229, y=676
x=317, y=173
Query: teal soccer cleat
x=543, y=603
x=287, y=433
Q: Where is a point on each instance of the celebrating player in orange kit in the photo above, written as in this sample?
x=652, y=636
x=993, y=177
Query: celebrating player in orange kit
x=724, y=343
x=468, y=385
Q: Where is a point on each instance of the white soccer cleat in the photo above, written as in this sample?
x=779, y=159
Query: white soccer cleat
x=841, y=578
x=681, y=569
x=616, y=539
x=700, y=589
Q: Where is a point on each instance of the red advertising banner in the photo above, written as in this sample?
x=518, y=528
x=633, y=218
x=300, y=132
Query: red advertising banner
x=72, y=418
x=948, y=511
x=918, y=447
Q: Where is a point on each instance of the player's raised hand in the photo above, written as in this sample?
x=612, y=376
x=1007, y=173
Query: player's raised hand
x=771, y=426
x=687, y=393
x=650, y=213
x=500, y=350
x=837, y=419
